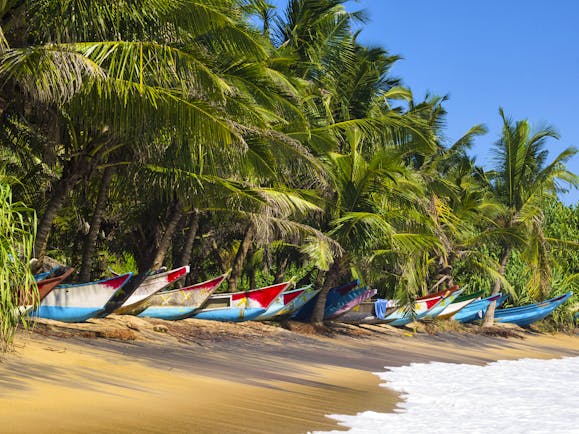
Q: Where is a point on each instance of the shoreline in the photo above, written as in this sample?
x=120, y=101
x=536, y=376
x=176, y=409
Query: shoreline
x=123, y=374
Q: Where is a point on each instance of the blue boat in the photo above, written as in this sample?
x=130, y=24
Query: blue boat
x=524, y=316
x=477, y=309
x=333, y=297
x=288, y=302
x=77, y=303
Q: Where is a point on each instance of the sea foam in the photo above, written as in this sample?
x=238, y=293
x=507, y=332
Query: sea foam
x=517, y=396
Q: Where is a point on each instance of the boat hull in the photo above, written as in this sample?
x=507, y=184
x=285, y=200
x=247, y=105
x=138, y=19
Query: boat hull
x=477, y=309
x=404, y=315
x=351, y=301
x=444, y=303
x=282, y=307
x=168, y=313
x=179, y=303
x=525, y=316
x=77, y=303
x=68, y=313
x=240, y=306
x=149, y=287
x=458, y=304
x=230, y=314
x=334, y=295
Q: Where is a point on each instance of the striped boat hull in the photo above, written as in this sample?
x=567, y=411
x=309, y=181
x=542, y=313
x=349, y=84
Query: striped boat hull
x=444, y=303
x=288, y=302
x=350, y=301
x=476, y=309
x=77, y=303
x=180, y=303
x=404, y=315
x=151, y=285
x=240, y=306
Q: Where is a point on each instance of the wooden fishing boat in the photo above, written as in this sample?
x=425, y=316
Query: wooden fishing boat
x=240, y=306
x=459, y=303
x=79, y=302
x=45, y=285
x=444, y=303
x=349, y=302
x=524, y=316
x=333, y=297
x=124, y=303
x=365, y=312
x=288, y=302
x=477, y=309
x=406, y=314
x=178, y=303
x=390, y=312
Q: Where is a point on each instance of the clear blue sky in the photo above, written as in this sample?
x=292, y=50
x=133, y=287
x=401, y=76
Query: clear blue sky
x=522, y=55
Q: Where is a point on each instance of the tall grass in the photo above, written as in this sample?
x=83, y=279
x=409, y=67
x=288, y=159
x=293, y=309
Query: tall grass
x=17, y=285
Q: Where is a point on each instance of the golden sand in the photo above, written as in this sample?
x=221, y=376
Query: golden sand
x=260, y=380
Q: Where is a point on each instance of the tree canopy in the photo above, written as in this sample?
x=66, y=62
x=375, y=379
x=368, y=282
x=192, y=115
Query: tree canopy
x=230, y=134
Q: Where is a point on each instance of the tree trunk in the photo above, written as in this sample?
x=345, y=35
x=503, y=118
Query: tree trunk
x=222, y=263
x=240, y=258
x=489, y=318
x=188, y=245
x=252, y=281
x=61, y=191
x=280, y=273
x=331, y=280
x=165, y=242
x=191, y=234
x=95, y=225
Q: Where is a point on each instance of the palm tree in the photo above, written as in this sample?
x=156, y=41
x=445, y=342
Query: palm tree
x=520, y=180
x=145, y=70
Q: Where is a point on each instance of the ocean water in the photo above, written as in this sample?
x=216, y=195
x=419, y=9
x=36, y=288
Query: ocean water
x=516, y=396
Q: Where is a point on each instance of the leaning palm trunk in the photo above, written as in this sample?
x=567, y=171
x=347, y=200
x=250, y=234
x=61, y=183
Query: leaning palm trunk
x=188, y=245
x=16, y=281
x=489, y=318
x=331, y=280
x=95, y=224
x=165, y=242
x=240, y=257
x=72, y=174
x=61, y=191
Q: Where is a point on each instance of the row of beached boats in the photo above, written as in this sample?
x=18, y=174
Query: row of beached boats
x=348, y=303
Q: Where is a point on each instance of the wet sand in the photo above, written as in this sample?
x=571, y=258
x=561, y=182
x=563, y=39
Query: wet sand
x=125, y=375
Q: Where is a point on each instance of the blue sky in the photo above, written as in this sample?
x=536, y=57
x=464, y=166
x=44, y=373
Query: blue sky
x=522, y=55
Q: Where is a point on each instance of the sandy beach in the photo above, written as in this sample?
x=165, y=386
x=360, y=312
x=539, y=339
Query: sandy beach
x=126, y=374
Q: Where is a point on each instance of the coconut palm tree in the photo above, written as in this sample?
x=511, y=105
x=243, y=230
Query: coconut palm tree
x=521, y=179
x=145, y=69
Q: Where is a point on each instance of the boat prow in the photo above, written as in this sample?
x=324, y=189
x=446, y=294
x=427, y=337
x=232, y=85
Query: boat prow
x=240, y=306
x=153, y=283
x=79, y=302
x=180, y=303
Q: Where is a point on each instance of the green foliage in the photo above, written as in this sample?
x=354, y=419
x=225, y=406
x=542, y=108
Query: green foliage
x=294, y=128
x=17, y=223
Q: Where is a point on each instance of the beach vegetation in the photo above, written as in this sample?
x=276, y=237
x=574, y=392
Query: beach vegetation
x=17, y=285
x=270, y=143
